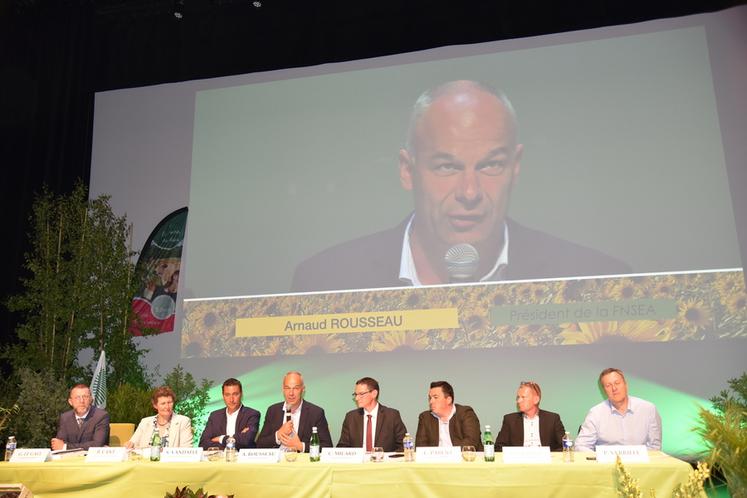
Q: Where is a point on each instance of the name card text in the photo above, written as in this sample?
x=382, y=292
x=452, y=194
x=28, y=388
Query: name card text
x=628, y=453
x=529, y=454
x=343, y=455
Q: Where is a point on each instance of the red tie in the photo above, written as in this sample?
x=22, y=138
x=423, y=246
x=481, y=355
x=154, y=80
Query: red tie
x=369, y=435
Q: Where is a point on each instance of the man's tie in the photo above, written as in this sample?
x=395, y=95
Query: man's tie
x=80, y=422
x=369, y=435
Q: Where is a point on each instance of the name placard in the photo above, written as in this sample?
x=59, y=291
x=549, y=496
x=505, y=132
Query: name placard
x=30, y=455
x=628, y=453
x=529, y=454
x=343, y=455
x=258, y=455
x=438, y=454
x=106, y=454
x=171, y=455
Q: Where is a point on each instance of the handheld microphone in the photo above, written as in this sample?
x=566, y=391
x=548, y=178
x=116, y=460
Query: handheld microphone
x=461, y=261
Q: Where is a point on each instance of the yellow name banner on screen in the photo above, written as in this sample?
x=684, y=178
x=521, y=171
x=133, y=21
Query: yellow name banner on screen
x=378, y=321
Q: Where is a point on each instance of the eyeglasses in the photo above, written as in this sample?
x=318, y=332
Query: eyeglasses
x=82, y=397
x=358, y=395
x=292, y=388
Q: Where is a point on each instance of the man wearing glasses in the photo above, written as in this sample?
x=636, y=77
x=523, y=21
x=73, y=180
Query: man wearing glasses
x=371, y=424
x=530, y=426
x=288, y=424
x=84, y=426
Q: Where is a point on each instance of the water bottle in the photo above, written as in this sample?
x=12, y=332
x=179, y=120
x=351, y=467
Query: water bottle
x=567, y=448
x=155, y=447
x=488, y=447
x=314, y=446
x=409, y=444
x=230, y=449
x=10, y=447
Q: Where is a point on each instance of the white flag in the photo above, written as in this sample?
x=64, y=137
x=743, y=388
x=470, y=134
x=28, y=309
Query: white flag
x=98, y=383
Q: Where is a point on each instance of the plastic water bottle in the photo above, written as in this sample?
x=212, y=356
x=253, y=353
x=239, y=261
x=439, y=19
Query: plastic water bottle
x=155, y=447
x=314, y=446
x=10, y=447
x=230, y=449
x=567, y=448
x=488, y=445
x=409, y=445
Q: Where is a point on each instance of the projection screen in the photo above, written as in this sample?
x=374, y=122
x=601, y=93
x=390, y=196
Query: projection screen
x=632, y=156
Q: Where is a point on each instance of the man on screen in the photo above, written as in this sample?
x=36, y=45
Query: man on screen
x=447, y=423
x=288, y=424
x=620, y=419
x=84, y=426
x=235, y=420
x=371, y=424
x=530, y=426
x=461, y=162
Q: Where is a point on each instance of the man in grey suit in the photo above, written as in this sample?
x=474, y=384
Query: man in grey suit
x=371, y=424
x=84, y=426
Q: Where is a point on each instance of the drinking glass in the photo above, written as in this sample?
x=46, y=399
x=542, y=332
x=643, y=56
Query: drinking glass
x=377, y=455
x=468, y=453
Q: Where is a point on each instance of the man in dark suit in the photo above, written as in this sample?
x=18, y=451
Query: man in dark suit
x=289, y=423
x=461, y=162
x=235, y=420
x=371, y=424
x=84, y=426
x=530, y=426
x=447, y=423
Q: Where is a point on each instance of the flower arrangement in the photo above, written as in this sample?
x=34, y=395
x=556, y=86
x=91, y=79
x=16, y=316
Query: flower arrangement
x=186, y=492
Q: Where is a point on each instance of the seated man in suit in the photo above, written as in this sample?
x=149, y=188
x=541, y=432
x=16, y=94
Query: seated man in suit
x=288, y=423
x=84, y=426
x=371, y=424
x=447, y=423
x=530, y=426
x=236, y=420
x=620, y=419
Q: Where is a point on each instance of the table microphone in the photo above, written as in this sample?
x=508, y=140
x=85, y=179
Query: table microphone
x=461, y=261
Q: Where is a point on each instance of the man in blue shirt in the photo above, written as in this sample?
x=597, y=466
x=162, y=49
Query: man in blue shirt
x=621, y=419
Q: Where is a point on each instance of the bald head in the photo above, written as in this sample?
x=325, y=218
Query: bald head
x=464, y=103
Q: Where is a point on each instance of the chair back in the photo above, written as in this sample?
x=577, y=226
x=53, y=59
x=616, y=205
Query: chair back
x=119, y=434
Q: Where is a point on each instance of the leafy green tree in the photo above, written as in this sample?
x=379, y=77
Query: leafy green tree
x=78, y=291
x=191, y=399
x=42, y=398
x=725, y=432
x=128, y=403
x=738, y=398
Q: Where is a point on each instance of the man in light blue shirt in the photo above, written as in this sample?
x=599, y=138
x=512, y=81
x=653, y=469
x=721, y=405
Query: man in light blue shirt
x=621, y=419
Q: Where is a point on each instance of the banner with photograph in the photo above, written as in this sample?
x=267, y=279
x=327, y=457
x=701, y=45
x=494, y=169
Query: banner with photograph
x=158, y=269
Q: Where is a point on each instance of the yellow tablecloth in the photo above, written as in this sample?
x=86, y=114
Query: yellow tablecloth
x=582, y=478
